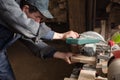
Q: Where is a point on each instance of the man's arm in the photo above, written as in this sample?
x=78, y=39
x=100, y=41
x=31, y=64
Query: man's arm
x=50, y=34
x=65, y=35
x=39, y=49
x=44, y=51
x=12, y=16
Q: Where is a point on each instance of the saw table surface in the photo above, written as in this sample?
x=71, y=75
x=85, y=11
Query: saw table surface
x=86, y=74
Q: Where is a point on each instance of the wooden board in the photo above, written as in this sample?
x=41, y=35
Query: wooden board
x=87, y=75
x=69, y=79
x=103, y=28
x=83, y=59
x=76, y=15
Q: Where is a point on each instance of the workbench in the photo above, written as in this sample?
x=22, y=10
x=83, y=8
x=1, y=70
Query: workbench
x=86, y=74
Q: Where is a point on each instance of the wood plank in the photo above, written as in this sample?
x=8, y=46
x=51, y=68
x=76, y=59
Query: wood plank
x=87, y=75
x=83, y=59
x=77, y=15
x=103, y=26
x=69, y=79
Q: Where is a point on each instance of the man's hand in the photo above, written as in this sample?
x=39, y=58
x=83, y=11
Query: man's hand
x=64, y=56
x=71, y=34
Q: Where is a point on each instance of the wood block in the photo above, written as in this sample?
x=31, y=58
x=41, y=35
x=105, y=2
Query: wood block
x=69, y=79
x=87, y=75
x=103, y=27
x=100, y=78
x=83, y=59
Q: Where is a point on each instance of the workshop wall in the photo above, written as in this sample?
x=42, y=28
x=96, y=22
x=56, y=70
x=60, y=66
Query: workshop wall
x=59, y=10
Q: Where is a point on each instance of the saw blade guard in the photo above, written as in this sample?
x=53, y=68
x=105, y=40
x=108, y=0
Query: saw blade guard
x=86, y=38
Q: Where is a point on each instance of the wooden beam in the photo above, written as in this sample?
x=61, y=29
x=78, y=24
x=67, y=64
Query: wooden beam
x=103, y=28
x=87, y=75
x=69, y=79
x=77, y=15
x=84, y=59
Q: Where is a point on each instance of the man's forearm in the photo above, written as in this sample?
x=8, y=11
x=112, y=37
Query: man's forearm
x=58, y=35
x=65, y=35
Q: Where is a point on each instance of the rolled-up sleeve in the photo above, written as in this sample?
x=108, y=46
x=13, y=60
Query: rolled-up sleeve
x=49, y=35
x=45, y=32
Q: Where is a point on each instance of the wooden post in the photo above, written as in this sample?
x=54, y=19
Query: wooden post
x=77, y=15
x=103, y=28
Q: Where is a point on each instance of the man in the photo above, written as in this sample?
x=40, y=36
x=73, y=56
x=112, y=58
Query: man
x=26, y=24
